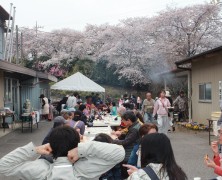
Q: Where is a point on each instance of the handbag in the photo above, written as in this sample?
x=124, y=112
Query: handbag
x=150, y=172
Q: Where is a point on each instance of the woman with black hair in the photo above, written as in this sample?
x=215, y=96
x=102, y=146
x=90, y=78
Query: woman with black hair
x=82, y=108
x=157, y=160
x=76, y=122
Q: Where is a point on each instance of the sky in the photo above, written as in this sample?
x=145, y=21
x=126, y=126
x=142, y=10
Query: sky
x=76, y=14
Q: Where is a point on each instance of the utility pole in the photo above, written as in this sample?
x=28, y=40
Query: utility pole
x=189, y=78
x=21, y=46
x=17, y=46
x=9, y=55
x=7, y=39
x=36, y=34
x=188, y=41
x=37, y=27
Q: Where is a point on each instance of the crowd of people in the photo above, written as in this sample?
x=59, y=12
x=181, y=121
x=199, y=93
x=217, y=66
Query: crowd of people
x=139, y=147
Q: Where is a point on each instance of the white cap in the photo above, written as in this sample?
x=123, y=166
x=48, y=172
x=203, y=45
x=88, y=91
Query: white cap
x=168, y=94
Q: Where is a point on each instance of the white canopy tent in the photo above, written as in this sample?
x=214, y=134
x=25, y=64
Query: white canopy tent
x=78, y=82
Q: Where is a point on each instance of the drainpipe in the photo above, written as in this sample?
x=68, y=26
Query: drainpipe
x=189, y=96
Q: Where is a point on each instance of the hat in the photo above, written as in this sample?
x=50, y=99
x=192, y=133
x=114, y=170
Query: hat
x=60, y=119
x=168, y=94
x=41, y=96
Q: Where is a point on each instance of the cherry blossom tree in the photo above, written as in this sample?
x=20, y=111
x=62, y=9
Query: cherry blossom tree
x=138, y=48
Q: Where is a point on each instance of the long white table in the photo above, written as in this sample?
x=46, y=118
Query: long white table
x=107, y=121
x=91, y=132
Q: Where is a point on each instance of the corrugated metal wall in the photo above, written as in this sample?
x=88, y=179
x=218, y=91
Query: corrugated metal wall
x=33, y=92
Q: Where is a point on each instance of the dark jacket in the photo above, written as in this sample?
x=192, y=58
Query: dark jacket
x=132, y=137
x=84, y=118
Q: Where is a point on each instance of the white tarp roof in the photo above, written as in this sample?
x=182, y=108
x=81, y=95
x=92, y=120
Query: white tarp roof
x=78, y=82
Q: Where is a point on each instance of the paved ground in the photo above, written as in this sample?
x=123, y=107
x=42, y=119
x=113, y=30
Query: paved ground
x=189, y=148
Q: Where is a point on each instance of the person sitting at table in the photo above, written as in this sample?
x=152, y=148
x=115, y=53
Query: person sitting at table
x=93, y=110
x=114, y=173
x=139, y=116
x=157, y=160
x=122, y=130
x=88, y=102
x=72, y=160
x=58, y=121
x=132, y=137
x=135, y=156
x=82, y=108
x=76, y=122
x=113, y=109
x=102, y=106
x=216, y=147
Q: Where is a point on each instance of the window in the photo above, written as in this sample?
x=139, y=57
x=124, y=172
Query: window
x=205, y=92
x=8, y=90
x=11, y=90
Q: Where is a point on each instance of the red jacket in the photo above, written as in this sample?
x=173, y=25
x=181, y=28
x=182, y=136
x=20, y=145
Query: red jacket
x=218, y=169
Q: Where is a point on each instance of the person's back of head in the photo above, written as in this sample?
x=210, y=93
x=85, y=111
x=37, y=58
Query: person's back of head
x=121, y=110
x=65, y=115
x=129, y=115
x=113, y=103
x=102, y=137
x=156, y=148
x=139, y=116
x=145, y=129
x=127, y=105
x=59, y=121
x=82, y=107
x=71, y=115
x=62, y=140
x=77, y=115
x=75, y=94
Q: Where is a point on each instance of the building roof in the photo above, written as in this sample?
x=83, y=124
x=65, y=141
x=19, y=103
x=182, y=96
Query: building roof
x=190, y=59
x=171, y=71
x=4, y=15
x=15, y=68
x=46, y=76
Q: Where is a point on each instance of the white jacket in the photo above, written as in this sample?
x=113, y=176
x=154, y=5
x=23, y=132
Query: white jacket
x=142, y=175
x=96, y=158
